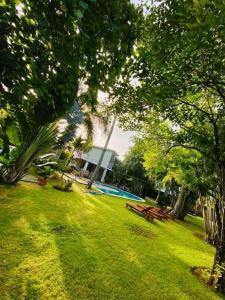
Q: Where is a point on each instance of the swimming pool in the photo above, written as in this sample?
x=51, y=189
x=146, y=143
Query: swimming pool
x=117, y=192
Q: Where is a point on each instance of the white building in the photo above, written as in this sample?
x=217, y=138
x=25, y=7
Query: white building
x=88, y=161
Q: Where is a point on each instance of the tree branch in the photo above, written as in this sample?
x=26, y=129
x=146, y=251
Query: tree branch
x=192, y=130
x=217, y=89
x=191, y=148
x=196, y=107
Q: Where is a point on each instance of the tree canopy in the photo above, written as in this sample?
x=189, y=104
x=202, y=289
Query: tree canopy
x=56, y=55
x=48, y=49
x=177, y=71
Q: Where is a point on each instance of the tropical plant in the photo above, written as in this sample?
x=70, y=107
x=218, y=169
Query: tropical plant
x=45, y=171
x=70, y=136
x=43, y=139
x=72, y=140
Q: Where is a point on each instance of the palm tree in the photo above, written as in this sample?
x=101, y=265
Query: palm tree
x=41, y=140
x=87, y=119
x=95, y=174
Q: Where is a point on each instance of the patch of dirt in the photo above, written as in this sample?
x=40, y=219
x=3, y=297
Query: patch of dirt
x=58, y=229
x=65, y=230
x=202, y=273
x=93, y=234
x=4, y=200
x=199, y=235
x=140, y=231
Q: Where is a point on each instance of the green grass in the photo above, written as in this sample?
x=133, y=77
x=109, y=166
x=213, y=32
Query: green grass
x=56, y=245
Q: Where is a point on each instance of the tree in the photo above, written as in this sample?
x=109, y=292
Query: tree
x=130, y=173
x=48, y=51
x=136, y=177
x=178, y=72
x=51, y=49
x=178, y=167
x=118, y=174
x=86, y=117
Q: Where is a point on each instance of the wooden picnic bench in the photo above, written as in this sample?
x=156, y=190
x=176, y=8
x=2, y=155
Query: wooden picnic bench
x=158, y=213
x=149, y=212
x=140, y=210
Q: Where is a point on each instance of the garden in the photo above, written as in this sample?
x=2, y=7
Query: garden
x=69, y=69
x=83, y=246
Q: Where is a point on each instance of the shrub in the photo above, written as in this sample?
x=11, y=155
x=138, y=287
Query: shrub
x=57, y=176
x=163, y=200
x=45, y=171
x=64, y=186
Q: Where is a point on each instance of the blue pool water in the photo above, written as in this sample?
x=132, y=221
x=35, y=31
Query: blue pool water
x=115, y=191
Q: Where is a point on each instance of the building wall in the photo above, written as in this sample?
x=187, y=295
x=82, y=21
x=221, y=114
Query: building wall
x=94, y=154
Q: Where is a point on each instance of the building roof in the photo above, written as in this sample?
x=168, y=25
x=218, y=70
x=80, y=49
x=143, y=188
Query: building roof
x=111, y=150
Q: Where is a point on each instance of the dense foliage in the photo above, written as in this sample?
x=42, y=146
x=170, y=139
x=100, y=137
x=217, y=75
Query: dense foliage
x=178, y=72
x=49, y=48
x=169, y=166
x=131, y=175
x=50, y=51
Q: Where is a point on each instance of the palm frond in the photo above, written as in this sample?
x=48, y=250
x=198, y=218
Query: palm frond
x=88, y=124
x=83, y=144
x=40, y=143
x=74, y=119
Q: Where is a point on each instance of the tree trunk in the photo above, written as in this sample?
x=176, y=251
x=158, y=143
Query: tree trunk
x=95, y=174
x=180, y=209
x=14, y=173
x=217, y=279
x=208, y=212
x=5, y=140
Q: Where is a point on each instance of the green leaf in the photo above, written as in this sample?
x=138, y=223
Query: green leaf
x=14, y=135
x=83, y=4
x=78, y=13
x=2, y=3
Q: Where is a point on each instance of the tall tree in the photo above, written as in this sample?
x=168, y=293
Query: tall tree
x=179, y=72
x=172, y=167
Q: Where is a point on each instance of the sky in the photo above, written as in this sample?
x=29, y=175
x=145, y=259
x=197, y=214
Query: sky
x=120, y=140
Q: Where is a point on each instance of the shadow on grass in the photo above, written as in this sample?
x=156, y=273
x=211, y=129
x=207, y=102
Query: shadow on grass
x=80, y=247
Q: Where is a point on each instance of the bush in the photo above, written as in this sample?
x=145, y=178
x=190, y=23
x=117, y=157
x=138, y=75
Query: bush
x=63, y=162
x=45, y=171
x=64, y=186
x=163, y=200
x=57, y=176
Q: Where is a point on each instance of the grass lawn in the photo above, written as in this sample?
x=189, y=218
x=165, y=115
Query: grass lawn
x=56, y=245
